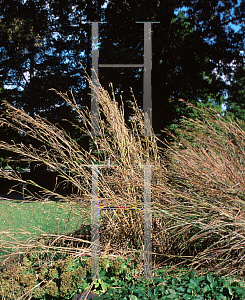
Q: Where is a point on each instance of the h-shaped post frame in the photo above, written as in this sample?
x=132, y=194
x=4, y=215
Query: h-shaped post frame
x=147, y=107
x=147, y=87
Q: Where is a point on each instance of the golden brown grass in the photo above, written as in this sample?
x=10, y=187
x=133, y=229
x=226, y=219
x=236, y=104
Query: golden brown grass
x=197, y=185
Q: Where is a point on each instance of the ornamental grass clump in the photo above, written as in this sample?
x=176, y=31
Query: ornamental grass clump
x=120, y=186
x=197, y=187
x=207, y=167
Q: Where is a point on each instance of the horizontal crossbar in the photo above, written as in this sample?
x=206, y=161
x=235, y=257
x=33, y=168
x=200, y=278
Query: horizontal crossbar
x=121, y=65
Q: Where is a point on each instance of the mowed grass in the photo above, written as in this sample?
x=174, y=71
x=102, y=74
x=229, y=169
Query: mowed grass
x=20, y=220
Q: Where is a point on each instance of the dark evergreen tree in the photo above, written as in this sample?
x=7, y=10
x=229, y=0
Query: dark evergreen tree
x=43, y=42
x=186, y=48
x=236, y=100
x=41, y=47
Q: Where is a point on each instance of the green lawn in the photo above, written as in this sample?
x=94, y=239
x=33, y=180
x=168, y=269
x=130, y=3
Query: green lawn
x=34, y=217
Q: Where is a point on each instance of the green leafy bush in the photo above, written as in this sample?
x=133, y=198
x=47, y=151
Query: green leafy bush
x=65, y=276
x=182, y=287
x=62, y=277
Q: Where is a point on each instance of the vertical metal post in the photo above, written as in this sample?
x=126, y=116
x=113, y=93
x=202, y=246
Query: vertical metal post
x=147, y=100
x=95, y=76
x=147, y=223
x=95, y=225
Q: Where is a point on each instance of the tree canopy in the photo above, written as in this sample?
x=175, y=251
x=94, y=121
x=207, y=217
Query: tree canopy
x=195, y=52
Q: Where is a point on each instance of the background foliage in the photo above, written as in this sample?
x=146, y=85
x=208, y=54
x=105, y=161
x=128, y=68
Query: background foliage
x=197, y=56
